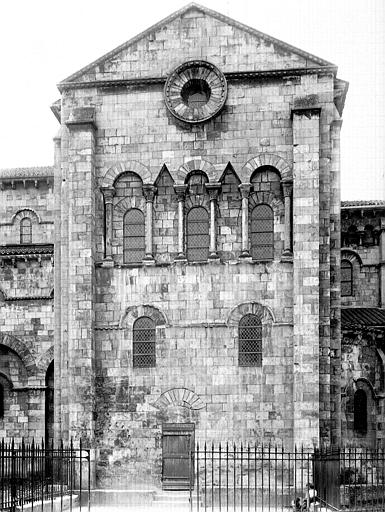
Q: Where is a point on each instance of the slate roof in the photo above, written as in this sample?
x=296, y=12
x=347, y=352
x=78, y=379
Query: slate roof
x=362, y=317
x=363, y=204
x=26, y=173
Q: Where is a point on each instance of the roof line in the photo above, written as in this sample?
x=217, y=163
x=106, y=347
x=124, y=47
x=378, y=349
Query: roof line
x=232, y=75
x=210, y=12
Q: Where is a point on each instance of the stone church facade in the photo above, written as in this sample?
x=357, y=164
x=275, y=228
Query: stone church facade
x=177, y=272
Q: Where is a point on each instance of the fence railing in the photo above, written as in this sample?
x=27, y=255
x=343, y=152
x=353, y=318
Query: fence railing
x=37, y=477
x=269, y=478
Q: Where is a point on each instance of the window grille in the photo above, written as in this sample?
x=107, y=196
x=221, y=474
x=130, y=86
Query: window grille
x=26, y=231
x=262, y=232
x=346, y=278
x=197, y=235
x=360, y=411
x=250, y=341
x=144, y=343
x=133, y=236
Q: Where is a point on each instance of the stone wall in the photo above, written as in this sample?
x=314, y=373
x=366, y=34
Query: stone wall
x=26, y=301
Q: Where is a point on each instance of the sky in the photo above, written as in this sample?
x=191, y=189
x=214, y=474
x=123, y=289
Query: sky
x=44, y=41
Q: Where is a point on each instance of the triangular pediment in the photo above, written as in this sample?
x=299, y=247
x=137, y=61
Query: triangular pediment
x=197, y=33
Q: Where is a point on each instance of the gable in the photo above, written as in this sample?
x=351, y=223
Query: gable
x=198, y=33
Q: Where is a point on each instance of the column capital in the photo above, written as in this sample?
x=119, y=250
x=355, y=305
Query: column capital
x=287, y=186
x=244, y=189
x=180, y=191
x=149, y=192
x=308, y=112
x=81, y=118
x=108, y=193
x=213, y=190
x=336, y=124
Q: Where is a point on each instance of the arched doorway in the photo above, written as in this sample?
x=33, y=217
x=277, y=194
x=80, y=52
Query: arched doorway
x=49, y=404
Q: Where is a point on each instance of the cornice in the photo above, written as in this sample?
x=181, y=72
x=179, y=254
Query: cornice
x=26, y=249
x=28, y=297
x=230, y=75
x=26, y=252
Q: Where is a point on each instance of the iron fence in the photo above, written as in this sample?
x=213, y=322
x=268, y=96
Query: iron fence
x=44, y=478
x=270, y=478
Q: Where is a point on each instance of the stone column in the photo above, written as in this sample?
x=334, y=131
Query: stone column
x=180, y=191
x=306, y=311
x=382, y=264
x=335, y=284
x=149, y=192
x=287, y=186
x=108, y=194
x=80, y=265
x=245, y=191
x=213, y=190
x=58, y=345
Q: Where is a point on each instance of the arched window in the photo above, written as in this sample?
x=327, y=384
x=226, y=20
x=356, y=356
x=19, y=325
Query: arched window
x=368, y=235
x=133, y=236
x=197, y=234
x=144, y=342
x=2, y=401
x=250, y=341
x=353, y=238
x=26, y=231
x=346, y=278
x=360, y=411
x=262, y=232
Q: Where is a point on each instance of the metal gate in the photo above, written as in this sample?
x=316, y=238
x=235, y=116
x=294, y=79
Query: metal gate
x=40, y=478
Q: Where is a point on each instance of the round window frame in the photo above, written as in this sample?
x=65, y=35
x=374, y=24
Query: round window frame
x=192, y=70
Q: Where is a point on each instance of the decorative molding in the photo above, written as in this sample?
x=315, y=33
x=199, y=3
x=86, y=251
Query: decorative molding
x=134, y=312
x=229, y=75
x=206, y=76
x=263, y=312
x=21, y=350
x=284, y=168
x=120, y=168
x=28, y=297
x=350, y=255
x=181, y=397
x=308, y=112
x=26, y=252
x=109, y=328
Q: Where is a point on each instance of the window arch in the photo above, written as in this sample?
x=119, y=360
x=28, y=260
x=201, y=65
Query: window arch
x=197, y=234
x=26, y=231
x=262, y=232
x=144, y=355
x=133, y=236
x=346, y=278
x=250, y=341
x=360, y=411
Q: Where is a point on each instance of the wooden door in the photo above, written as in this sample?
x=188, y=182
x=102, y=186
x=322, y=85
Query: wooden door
x=177, y=453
